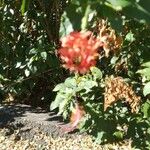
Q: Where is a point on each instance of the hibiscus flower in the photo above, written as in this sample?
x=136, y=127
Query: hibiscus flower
x=78, y=51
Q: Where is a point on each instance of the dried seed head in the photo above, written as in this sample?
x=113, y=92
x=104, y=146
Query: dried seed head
x=117, y=89
x=111, y=42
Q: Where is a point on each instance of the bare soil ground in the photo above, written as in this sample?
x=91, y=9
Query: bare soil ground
x=25, y=128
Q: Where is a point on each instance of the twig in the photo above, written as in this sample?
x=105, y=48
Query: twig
x=28, y=78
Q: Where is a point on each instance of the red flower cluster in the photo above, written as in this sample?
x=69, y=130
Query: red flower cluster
x=79, y=51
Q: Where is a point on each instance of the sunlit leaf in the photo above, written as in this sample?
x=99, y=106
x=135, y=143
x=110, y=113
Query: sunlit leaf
x=146, y=109
x=59, y=98
x=147, y=64
x=99, y=137
x=96, y=72
x=119, y=134
x=18, y=64
x=27, y=72
x=146, y=89
x=58, y=87
x=70, y=82
x=145, y=72
x=120, y=3
x=62, y=105
x=66, y=26
x=130, y=37
x=44, y=55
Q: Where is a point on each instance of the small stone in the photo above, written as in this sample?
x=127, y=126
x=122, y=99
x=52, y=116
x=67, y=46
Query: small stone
x=2, y=138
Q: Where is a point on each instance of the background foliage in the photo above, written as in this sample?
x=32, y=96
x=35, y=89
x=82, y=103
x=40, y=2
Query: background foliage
x=28, y=43
x=29, y=67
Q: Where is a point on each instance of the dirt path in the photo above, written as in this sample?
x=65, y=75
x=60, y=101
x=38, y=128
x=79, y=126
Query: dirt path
x=25, y=128
x=25, y=118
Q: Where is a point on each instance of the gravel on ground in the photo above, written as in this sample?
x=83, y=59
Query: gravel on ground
x=25, y=128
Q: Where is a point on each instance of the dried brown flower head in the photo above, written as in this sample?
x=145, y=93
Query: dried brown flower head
x=117, y=89
x=111, y=42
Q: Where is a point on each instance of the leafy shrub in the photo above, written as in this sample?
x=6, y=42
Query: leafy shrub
x=84, y=98
x=28, y=43
x=30, y=33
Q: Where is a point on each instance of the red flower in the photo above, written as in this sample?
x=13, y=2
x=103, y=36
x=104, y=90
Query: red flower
x=79, y=51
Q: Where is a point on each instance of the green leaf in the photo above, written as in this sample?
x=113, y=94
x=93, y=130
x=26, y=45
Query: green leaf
x=70, y=82
x=24, y=6
x=85, y=18
x=96, y=72
x=119, y=134
x=27, y=72
x=59, y=98
x=99, y=137
x=87, y=85
x=118, y=5
x=146, y=109
x=18, y=64
x=58, y=87
x=146, y=89
x=65, y=114
x=33, y=51
x=65, y=26
x=44, y=55
x=130, y=37
x=139, y=11
x=121, y=3
x=62, y=106
x=114, y=60
x=145, y=72
x=2, y=78
x=1, y=3
x=74, y=14
x=90, y=84
x=147, y=64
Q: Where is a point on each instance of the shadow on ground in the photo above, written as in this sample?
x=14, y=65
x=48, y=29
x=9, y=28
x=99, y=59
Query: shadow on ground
x=29, y=121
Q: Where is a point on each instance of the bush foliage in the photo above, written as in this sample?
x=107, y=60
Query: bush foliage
x=110, y=97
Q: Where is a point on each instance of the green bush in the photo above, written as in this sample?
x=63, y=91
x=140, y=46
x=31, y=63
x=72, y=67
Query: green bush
x=27, y=50
x=131, y=20
x=30, y=33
